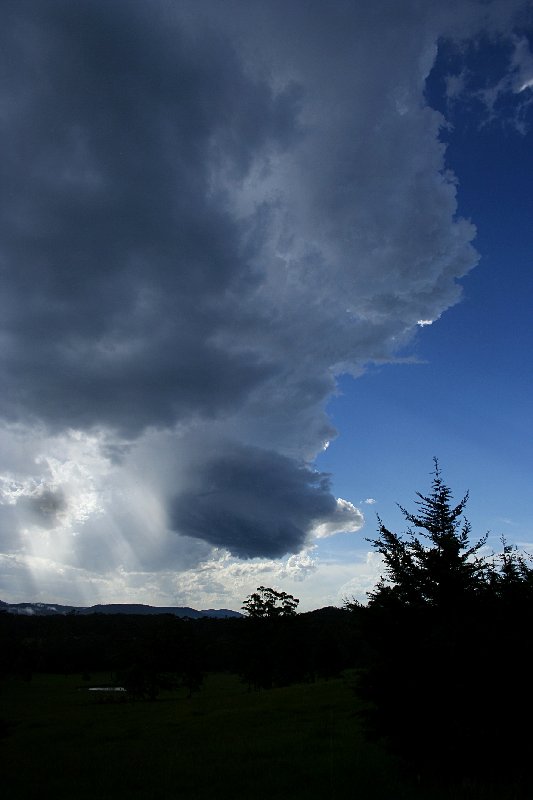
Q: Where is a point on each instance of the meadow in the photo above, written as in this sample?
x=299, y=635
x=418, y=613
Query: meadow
x=303, y=741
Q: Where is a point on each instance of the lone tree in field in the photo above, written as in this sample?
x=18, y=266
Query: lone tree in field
x=267, y=603
x=439, y=569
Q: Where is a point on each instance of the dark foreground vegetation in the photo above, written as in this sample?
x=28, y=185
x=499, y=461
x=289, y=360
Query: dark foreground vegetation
x=423, y=693
x=302, y=741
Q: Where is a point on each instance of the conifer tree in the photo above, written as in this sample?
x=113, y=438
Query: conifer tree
x=445, y=626
x=434, y=563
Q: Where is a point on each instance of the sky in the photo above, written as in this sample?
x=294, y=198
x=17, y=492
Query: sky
x=261, y=263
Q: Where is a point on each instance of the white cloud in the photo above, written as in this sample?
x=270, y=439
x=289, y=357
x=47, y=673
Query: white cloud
x=347, y=518
x=522, y=63
x=365, y=576
x=299, y=566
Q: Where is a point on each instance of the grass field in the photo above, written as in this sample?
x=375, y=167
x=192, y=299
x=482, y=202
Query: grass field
x=303, y=741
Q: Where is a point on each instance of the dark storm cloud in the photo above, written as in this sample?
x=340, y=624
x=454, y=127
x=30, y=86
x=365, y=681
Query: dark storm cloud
x=254, y=503
x=44, y=506
x=119, y=259
x=210, y=211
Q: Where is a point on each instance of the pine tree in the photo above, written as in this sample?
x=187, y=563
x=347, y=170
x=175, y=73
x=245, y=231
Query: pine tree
x=445, y=628
x=439, y=569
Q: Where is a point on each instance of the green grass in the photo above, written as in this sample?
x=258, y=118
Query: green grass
x=303, y=741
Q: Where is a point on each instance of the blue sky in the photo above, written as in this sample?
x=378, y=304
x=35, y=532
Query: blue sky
x=221, y=225
x=466, y=398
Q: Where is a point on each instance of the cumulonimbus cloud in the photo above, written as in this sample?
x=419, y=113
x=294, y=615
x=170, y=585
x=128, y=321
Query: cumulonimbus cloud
x=209, y=212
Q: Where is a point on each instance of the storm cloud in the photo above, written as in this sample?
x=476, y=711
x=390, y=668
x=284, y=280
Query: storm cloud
x=254, y=503
x=177, y=232
x=210, y=211
x=122, y=260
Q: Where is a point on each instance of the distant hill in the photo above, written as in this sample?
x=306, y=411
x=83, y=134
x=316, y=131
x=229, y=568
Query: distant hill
x=53, y=609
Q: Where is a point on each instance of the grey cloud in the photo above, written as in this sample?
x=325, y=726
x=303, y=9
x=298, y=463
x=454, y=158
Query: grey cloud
x=120, y=261
x=253, y=502
x=43, y=506
x=210, y=211
x=9, y=528
x=182, y=240
x=208, y=207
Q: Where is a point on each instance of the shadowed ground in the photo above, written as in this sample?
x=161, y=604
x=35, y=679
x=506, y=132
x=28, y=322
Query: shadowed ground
x=303, y=741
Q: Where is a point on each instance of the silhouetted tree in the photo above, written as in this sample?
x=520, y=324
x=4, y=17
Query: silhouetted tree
x=446, y=629
x=439, y=569
x=267, y=603
x=512, y=578
x=269, y=656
